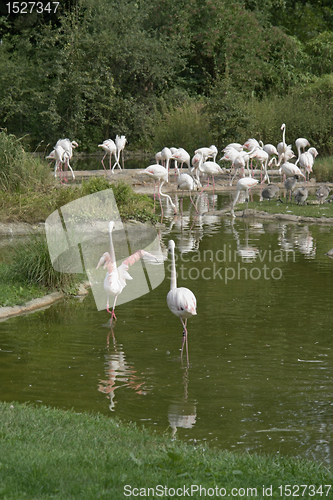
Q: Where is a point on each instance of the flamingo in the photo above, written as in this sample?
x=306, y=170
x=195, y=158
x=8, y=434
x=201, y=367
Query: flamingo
x=289, y=170
x=205, y=152
x=301, y=195
x=166, y=155
x=263, y=157
x=322, y=193
x=231, y=154
x=120, y=143
x=234, y=145
x=290, y=183
x=214, y=151
x=115, y=279
x=269, y=192
x=187, y=182
x=110, y=148
x=181, y=301
x=270, y=149
x=285, y=152
x=243, y=184
x=65, y=146
x=210, y=168
x=195, y=164
x=181, y=156
x=158, y=157
x=251, y=144
x=306, y=160
x=301, y=143
x=159, y=174
x=60, y=156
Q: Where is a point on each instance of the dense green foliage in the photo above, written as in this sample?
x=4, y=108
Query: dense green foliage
x=97, y=68
x=48, y=453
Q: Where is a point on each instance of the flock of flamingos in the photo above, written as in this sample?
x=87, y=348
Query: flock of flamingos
x=204, y=162
x=181, y=301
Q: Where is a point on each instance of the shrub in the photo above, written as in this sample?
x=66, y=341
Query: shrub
x=31, y=263
x=20, y=171
x=185, y=126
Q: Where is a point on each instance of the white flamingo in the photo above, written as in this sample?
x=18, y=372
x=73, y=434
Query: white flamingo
x=290, y=169
x=186, y=182
x=181, y=156
x=181, y=301
x=306, y=160
x=115, y=279
x=64, y=152
x=301, y=143
x=160, y=175
x=110, y=148
x=210, y=168
x=243, y=184
x=120, y=143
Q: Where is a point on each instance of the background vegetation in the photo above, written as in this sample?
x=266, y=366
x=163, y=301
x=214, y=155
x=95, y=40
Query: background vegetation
x=169, y=72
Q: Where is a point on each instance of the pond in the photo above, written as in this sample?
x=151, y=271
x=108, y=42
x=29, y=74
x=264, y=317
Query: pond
x=260, y=347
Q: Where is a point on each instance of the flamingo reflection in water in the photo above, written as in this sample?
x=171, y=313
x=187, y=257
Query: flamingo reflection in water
x=182, y=413
x=115, y=279
x=118, y=374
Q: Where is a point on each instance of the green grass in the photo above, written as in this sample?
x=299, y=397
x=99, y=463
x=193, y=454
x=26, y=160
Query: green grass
x=16, y=292
x=54, y=454
x=28, y=273
x=35, y=206
x=275, y=207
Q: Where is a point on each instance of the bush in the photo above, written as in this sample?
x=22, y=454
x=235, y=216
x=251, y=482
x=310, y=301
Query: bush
x=185, y=126
x=31, y=264
x=19, y=171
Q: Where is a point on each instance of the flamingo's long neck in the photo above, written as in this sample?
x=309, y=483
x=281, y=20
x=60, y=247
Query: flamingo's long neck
x=166, y=196
x=173, y=282
x=112, y=253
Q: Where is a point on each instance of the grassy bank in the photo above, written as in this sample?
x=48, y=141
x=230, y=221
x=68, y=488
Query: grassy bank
x=33, y=206
x=47, y=453
x=275, y=207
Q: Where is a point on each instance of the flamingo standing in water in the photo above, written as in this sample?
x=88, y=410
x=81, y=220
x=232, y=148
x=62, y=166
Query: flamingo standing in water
x=210, y=168
x=160, y=175
x=243, y=184
x=186, y=182
x=181, y=301
x=115, y=279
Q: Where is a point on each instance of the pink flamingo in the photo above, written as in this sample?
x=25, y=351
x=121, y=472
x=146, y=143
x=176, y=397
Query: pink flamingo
x=115, y=279
x=181, y=301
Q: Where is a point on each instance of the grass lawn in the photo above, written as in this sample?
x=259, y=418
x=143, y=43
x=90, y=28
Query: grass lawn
x=54, y=454
x=275, y=207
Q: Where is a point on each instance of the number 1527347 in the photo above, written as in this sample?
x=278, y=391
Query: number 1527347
x=29, y=7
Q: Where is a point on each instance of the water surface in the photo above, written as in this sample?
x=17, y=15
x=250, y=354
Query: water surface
x=260, y=348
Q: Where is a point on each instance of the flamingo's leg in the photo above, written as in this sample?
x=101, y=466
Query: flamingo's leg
x=184, y=323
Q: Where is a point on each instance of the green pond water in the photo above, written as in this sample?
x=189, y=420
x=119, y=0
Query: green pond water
x=260, y=348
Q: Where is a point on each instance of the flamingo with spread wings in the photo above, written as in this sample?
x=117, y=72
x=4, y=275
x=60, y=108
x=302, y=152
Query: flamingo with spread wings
x=115, y=279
